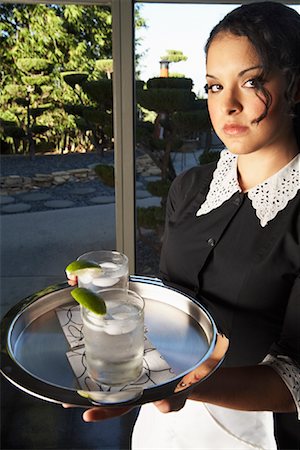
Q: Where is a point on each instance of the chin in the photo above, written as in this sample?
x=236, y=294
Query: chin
x=238, y=147
x=235, y=150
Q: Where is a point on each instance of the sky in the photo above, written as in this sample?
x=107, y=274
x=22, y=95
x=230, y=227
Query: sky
x=179, y=27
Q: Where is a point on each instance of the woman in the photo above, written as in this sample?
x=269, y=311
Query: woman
x=232, y=240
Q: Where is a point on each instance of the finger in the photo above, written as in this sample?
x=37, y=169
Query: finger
x=172, y=404
x=163, y=406
x=68, y=405
x=98, y=414
x=72, y=282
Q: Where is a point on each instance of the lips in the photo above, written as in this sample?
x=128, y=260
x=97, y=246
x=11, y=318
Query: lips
x=234, y=129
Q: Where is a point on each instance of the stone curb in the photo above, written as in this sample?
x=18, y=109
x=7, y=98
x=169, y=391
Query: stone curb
x=13, y=184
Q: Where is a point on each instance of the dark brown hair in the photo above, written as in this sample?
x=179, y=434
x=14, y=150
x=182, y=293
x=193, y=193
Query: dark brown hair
x=274, y=31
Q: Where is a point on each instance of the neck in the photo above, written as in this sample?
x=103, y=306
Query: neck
x=256, y=167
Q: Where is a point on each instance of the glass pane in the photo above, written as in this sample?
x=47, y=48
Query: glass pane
x=57, y=201
x=57, y=180
x=173, y=130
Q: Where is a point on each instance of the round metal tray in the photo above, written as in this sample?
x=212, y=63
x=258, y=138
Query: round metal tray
x=33, y=346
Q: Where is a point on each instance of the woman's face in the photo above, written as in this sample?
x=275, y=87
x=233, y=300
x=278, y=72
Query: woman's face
x=234, y=103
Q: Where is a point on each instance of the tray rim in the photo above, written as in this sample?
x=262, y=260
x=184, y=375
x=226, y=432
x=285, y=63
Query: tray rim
x=22, y=378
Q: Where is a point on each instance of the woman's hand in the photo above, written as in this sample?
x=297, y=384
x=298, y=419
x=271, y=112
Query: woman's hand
x=99, y=413
x=174, y=403
x=72, y=280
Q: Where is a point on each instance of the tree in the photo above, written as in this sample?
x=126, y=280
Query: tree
x=67, y=37
x=104, y=67
x=174, y=56
x=36, y=79
x=178, y=111
x=72, y=38
x=93, y=113
x=178, y=115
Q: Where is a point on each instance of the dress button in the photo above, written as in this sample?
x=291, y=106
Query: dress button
x=211, y=242
x=238, y=198
x=237, y=201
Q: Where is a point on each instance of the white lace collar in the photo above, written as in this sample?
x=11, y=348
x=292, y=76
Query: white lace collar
x=267, y=198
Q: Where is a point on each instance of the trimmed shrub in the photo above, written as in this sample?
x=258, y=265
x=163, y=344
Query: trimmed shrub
x=106, y=174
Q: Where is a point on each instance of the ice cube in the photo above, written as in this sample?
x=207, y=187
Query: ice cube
x=124, y=312
x=109, y=265
x=123, y=319
x=105, y=281
x=85, y=277
x=115, y=327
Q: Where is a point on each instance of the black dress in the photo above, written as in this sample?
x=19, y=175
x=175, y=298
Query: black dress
x=246, y=275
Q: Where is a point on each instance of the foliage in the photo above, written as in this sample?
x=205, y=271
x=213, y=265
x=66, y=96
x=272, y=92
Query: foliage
x=106, y=174
x=179, y=114
x=152, y=217
x=166, y=100
x=139, y=23
x=174, y=56
x=176, y=75
x=104, y=68
x=33, y=65
x=159, y=188
x=94, y=112
x=169, y=83
x=139, y=85
x=39, y=43
x=186, y=122
x=100, y=91
x=74, y=78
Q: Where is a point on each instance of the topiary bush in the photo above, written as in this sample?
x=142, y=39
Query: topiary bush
x=170, y=83
x=159, y=188
x=106, y=174
x=152, y=217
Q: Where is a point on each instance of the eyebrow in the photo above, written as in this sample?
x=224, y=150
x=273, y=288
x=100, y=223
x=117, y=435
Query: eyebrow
x=240, y=74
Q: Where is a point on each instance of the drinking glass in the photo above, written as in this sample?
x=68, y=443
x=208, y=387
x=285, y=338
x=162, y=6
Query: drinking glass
x=114, y=343
x=114, y=273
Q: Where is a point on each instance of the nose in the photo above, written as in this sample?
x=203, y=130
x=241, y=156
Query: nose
x=231, y=103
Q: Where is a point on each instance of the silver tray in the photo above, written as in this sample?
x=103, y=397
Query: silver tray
x=33, y=346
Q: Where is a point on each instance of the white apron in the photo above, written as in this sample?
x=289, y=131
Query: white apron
x=201, y=426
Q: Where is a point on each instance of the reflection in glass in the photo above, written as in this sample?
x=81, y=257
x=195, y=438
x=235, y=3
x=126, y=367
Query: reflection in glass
x=57, y=153
x=173, y=130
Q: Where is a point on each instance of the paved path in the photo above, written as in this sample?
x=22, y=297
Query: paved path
x=70, y=195
x=37, y=244
x=36, y=247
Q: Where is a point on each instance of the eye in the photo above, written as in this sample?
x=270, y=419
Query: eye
x=250, y=83
x=253, y=83
x=213, y=88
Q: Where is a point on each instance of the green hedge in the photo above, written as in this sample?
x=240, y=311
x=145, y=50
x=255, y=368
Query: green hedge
x=106, y=174
x=170, y=83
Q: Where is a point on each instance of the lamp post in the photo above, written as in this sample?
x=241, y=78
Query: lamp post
x=164, y=68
